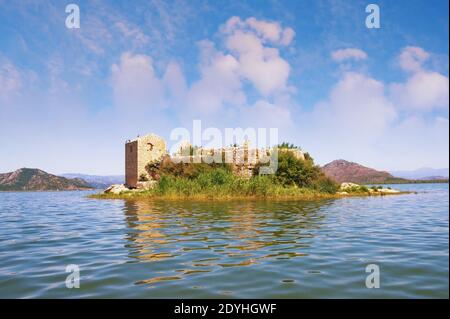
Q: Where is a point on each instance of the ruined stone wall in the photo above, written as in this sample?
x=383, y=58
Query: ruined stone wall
x=131, y=163
x=242, y=158
x=150, y=148
x=140, y=152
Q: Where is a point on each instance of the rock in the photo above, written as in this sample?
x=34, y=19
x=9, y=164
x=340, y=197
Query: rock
x=116, y=189
x=388, y=191
x=342, y=193
x=345, y=186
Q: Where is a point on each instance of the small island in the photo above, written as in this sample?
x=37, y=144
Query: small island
x=150, y=172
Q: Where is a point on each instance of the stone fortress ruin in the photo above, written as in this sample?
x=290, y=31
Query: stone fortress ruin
x=153, y=148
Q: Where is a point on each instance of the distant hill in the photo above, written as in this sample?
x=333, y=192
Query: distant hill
x=433, y=178
x=424, y=173
x=344, y=171
x=98, y=181
x=32, y=179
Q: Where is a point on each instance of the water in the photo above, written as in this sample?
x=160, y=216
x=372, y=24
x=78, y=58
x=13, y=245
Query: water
x=248, y=249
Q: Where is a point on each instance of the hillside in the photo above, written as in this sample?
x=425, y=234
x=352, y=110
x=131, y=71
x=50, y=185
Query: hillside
x=31, y=179
x=424, y=173
x=344, y=171
x=98, y=181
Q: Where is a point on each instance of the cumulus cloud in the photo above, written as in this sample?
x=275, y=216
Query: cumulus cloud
x=259, y=63
x=219, y=84
x=135, y=83
x=411, y=58
x=267, y=30
x=357, y=107
x=249, y=57
x=362, y=118
x=262, y=113
x=270, y=31
x=175, y=83
x=350, y=122
x=348, y=54
x=424, y=89
x=262, y=66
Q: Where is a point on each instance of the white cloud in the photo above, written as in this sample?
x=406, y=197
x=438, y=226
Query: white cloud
x=265, y=114
x=247, y=58
x=357, y=109
x=175, y=83
x=267, y=30
x=347, y=54
x=262, y=66
x=424, y=89
x=135, y=84
x=219, y=84
x=361, y=119
x=411, y=58
x=259, y=63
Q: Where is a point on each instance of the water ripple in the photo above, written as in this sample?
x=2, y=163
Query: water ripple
x=253, y=249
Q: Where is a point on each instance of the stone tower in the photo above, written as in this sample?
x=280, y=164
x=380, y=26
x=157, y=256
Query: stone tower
x=140, y=152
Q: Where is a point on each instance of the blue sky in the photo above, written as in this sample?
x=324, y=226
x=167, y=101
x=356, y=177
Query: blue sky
x=69, y=98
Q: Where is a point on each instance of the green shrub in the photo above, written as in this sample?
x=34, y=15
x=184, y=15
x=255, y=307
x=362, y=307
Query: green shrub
x=294, y=171
x=294, y=176
x=326, y=185
x=363, y=189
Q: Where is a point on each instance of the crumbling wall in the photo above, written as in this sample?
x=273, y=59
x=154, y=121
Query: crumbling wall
x=131, y=163
x=151, y=148
x=140, y=152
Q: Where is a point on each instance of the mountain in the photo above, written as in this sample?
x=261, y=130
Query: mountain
x=423, y=173
x=32, y=179
x=344, y=171
x=433, y=178
x=98, y=181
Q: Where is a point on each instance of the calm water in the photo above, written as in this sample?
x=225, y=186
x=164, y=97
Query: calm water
x=234, y=249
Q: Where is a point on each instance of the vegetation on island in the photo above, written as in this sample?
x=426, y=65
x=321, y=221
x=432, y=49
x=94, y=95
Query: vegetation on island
x=294, y=179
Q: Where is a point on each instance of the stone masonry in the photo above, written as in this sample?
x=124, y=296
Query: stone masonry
x=140, y=152
x=150, y=148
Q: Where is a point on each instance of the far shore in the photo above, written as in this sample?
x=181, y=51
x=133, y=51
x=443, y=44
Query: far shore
x=412, y=181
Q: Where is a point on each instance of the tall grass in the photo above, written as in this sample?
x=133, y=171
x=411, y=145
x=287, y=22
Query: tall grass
x=295, y=178
x=222, y=183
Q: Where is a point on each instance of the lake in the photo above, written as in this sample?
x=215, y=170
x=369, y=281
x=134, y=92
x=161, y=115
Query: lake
x=234, y=249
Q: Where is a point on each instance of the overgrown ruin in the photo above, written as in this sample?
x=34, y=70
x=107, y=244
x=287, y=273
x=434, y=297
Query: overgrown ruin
x=152, y=148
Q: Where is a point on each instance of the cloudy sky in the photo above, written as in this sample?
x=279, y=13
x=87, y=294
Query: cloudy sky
x=69, y=98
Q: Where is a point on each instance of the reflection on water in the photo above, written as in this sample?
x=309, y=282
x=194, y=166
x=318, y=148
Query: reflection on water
x=219, y=234
x=236, y=249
